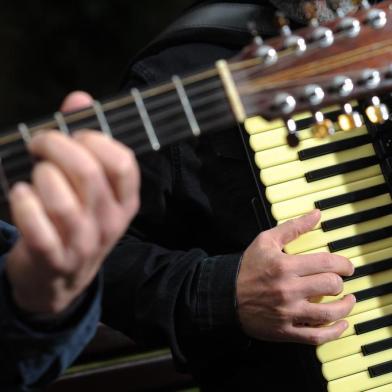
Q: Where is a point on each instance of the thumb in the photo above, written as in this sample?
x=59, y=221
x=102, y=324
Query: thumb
x=292, y=229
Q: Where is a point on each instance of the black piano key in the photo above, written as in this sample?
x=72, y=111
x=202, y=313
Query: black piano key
x=373, y=325
x=358, y=217
x=330, y=148
x=370, y=269
x=351, y=197
x=376, y=347
x=381, y=369
x=360, y=239
x=373, y=292
x=341, y=168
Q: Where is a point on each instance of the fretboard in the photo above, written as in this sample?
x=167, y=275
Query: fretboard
x=146, y=120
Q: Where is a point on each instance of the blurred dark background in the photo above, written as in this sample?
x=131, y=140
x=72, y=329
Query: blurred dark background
x=49, y=48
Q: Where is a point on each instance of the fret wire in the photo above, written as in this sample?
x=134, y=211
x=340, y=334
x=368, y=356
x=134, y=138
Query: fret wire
x=25, y=132
x=124, y=113
x=63, y=127
x=216, y=123
x=186, y=105
x=102, y=118
x=71, y=117
x=216, y=100
x=122, y=130
x=146, y=119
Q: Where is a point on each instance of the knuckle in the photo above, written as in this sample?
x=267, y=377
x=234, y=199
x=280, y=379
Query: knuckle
x=333, y=283
x=278, y=268
x=111, y=231
x=85, y=250
x=293, y=227
x=89, y=172
x=326, y=262
x=315, y=337
x=124, y=164
x=326, y=316
x=282, y=293
x=64, y=213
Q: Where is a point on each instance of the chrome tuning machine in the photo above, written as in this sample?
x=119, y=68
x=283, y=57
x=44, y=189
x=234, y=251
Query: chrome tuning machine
x=265, y=52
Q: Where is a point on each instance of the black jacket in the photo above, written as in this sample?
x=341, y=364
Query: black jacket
x=171, y=280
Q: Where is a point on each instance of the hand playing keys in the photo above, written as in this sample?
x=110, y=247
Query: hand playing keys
x=274, y=290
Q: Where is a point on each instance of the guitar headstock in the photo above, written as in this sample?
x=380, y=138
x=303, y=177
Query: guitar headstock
x=347, y=59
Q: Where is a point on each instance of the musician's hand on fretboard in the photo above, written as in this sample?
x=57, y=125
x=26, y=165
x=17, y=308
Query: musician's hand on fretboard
x=84, y=192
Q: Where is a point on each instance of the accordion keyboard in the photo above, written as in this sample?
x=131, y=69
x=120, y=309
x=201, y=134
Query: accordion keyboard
x=343, y=176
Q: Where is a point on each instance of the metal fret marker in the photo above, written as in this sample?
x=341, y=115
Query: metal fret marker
x=186, y=105
x=25, y=132
x=146, y=119
x=102, y=119
x=63, y=127
x=231, y=90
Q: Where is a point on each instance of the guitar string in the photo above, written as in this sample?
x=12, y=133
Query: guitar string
x=306, y=70
x=260, y=80
x=309, y=71
x=317, y=67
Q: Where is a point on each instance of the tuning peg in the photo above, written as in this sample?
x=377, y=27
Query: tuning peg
x=284, y=103
x=350, y=119
x=323, y=126
x=292, y=136
x=342, y=85
x=323, y=36
x=377, y=112
x=370, y=78
x=265, y=52
x=290, y=40
x=349, y=26
x=376, y=18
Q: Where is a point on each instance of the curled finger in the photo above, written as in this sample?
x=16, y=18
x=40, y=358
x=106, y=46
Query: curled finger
x=118, y=162
x=321, y=314
x=38, y=232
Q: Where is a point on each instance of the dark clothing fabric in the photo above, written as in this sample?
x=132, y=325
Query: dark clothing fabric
x=34, y=351
x=171, y=280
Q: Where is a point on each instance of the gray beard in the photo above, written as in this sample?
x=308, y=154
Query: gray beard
x=293, y=9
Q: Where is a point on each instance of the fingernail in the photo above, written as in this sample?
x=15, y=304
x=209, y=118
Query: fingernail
x=352, y=296
x=20, y=189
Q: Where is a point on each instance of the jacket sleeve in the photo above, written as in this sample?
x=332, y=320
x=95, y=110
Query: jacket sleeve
x=160, y=287
x=33, y=353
